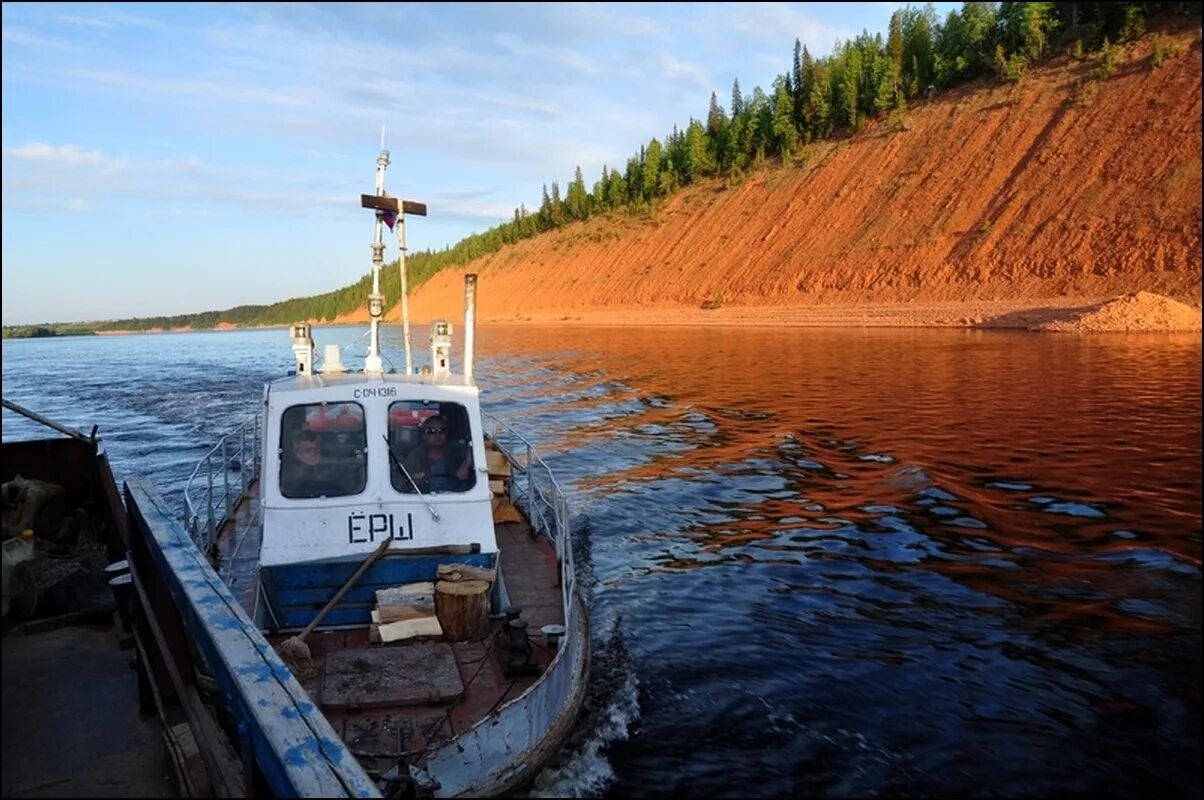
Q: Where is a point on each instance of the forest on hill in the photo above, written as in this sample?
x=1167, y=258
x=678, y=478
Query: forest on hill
x=762, y=144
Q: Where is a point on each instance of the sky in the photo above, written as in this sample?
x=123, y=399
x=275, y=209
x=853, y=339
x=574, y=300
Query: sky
x=163, y=159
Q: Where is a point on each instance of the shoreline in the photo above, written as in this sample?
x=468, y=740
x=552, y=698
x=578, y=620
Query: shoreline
x=1141, y=312
x=1137, y=313
x=900, y=315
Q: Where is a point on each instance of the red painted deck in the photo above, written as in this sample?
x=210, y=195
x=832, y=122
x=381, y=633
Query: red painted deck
x=377, y=734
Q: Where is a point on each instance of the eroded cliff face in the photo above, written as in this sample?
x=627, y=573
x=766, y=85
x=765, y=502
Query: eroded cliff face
x=1065, y=185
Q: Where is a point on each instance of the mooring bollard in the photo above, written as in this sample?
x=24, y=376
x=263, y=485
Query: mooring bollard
x=122, y=584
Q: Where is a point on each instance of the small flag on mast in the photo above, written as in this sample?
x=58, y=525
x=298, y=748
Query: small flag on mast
x=389, y=217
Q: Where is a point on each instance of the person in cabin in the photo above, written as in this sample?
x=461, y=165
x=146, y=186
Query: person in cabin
x=439, y=465
x=306, y=472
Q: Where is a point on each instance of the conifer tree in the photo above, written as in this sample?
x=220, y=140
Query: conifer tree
x=1027, y=27
x=803, y=91
x=650, y=172
x=918, y=27
x=618, y=191
x=546, y=220
x=602, y=191
x=785, y=135
x=894, y=41
x=697, y=162
x=716, y=118
x=796, y=74
x=577, y=202
x=819, y=109
x=557, y=206
x=849, y=98
x=633, y=177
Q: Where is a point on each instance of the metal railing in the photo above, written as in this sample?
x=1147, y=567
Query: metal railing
x=535, y=490
x=254, y=729
x=211, y=494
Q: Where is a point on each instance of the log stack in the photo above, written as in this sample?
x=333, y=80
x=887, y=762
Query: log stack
x=499, y=486
x=405, y=612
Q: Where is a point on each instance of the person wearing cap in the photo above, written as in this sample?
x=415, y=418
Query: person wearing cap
x=306, y=473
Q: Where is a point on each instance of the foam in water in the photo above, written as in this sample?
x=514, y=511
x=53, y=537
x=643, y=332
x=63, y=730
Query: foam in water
x=612, y=706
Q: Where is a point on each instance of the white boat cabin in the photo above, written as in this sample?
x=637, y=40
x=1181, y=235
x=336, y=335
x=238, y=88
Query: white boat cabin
x=353, y=458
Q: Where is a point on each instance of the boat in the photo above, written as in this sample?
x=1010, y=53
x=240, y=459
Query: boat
x=71, y=703
x=372, y=582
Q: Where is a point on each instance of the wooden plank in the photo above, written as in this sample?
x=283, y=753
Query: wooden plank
x=411, y=601
x=221, y=768
x=380, y=202
x=320, y=595
x=380, y=677
x=504, y=512
x=410, y=628
x=499, y=467
x=187, y=757
x=466, y=572
x=394, y=204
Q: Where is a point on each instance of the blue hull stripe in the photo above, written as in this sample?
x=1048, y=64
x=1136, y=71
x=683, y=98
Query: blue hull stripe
x=299, y=591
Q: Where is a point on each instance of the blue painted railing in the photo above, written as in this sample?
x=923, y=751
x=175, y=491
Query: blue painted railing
x=189, y=624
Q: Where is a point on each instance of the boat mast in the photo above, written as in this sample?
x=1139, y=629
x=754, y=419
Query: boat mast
x=372, y=362
x=397, y=209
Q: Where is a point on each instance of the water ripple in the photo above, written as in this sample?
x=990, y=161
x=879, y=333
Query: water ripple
x=821, y=563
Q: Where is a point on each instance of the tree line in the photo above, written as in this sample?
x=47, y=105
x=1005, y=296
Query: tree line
x=867, y=77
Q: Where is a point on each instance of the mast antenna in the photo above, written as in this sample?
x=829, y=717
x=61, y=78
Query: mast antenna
x=376, y=301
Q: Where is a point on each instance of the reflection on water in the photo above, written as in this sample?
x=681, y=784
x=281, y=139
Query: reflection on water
x=862, y=562
x=823, y=562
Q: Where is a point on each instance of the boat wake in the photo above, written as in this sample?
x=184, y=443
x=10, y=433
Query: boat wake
x=611, y=707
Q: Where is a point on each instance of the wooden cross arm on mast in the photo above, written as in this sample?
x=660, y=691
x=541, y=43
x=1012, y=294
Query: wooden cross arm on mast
x=394, y=204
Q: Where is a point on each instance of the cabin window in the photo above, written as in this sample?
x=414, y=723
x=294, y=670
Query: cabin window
x=323, y=450
x=430, y=445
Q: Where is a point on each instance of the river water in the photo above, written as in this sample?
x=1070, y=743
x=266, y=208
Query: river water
x=820, y=562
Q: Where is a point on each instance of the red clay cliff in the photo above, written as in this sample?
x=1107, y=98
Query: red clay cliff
x=988, y=203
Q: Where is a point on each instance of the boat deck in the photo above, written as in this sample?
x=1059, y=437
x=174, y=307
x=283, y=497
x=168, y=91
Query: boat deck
x=406, y=699
x=71, y=721
x=72, y=725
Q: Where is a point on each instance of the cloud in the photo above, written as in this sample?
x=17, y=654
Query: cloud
x=773, y=24
x=16, y=35
x=557, y=56
x=160, y=186
x=541, y=109
x=475, y=211
x=44, y=205
x=84, y=22
x=65, y=155
x=492, y=99
x=684, y=72
x=759, y=35
x=218, y=90
x=310, y=153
